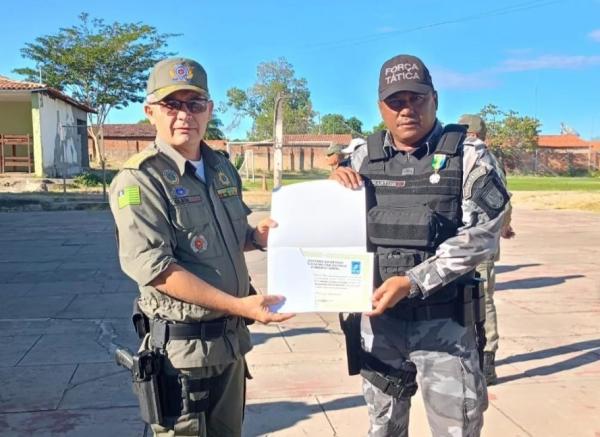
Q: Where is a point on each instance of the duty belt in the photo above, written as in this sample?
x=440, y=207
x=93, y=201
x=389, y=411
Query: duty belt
x=161, y=331
x=467, y=309
x=425, y=312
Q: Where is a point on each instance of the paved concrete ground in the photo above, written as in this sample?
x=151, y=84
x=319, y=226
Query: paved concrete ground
x=64, y=302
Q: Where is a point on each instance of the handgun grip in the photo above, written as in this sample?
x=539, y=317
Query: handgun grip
x=124, y=357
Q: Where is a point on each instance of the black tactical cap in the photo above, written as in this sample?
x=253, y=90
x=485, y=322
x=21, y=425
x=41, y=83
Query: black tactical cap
x=404, y=73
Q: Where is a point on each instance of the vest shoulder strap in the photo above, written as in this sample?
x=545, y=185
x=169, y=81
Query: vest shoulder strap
x=375, y=146
x=452, y=137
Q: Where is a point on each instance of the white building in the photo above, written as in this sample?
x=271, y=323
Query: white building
x=42, y=130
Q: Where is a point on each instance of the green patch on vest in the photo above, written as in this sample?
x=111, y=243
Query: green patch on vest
x=227, y=192
x=136, y=160
x=129, y=196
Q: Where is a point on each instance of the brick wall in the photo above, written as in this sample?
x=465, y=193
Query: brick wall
x=295, y=158
x=554, y=161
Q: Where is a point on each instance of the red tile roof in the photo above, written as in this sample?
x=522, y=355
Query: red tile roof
x=133, y=131
x=562, y=141
x=7, y=84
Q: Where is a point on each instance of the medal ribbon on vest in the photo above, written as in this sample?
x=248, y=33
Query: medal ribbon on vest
x=438, y=162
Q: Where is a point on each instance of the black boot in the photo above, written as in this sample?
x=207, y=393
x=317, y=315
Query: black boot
x=489, y=368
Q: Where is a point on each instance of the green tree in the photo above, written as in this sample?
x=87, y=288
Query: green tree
x=214, y=129
x=508, y=132
x=338, y=124
x=355, y=124
x=102, y=65
x=258, y=102
x=376, y=128
x=333, y=124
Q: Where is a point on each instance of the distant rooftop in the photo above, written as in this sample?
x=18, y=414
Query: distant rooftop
x=7, y=84
x=563, y=141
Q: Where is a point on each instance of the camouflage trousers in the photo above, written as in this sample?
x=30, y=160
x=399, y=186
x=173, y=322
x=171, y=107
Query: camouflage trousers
x=448, y=374
x=226, y=404
x=488, y=273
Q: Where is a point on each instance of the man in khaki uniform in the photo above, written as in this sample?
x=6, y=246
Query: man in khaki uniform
x=334, y=156
x=476, y=133
x=182, y=232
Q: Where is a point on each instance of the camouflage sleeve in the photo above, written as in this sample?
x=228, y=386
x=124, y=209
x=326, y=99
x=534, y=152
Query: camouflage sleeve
x=358, y=156
x=483, y=210
x=502, y=172
x=145, y=234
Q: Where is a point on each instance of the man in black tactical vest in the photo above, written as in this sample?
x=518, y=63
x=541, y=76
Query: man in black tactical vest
x=435, y=209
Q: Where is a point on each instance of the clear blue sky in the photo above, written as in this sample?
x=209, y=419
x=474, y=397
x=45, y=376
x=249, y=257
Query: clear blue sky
x=540, y=58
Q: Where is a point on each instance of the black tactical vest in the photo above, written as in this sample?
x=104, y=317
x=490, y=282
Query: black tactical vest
x=412, y=210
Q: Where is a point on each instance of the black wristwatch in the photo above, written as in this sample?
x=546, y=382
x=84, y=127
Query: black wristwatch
x=255, y=243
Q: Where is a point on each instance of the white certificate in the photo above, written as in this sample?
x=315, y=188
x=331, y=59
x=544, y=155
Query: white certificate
x=317, y=256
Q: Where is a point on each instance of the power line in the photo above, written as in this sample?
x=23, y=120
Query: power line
x=490, y=13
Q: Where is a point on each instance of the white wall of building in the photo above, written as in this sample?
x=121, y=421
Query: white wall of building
x=61, y=139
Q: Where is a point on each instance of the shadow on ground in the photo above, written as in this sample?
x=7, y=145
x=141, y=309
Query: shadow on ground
x=530, y=283
x=267, y=417
x=590, y=349
x=262, y=337
x=506, y=269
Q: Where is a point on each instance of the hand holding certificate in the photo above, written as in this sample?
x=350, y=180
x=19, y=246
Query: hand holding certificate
x=317, y=255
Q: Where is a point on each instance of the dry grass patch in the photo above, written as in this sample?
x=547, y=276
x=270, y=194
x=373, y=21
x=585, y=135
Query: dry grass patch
x=575, y=200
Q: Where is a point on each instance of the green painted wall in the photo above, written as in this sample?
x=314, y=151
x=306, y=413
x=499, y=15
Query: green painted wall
x=15, y=118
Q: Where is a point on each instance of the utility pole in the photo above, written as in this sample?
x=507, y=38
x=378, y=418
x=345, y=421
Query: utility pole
x=278, y=141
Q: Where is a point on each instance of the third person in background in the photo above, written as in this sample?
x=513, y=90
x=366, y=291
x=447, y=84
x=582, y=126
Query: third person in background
x=476, y=134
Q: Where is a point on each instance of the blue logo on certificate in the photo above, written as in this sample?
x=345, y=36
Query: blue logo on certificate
x=356, y=267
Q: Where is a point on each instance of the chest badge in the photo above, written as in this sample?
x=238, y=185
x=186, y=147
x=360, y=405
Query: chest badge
x=223, y=178
x=170, y=176
x=180, y=191
x=199, y=244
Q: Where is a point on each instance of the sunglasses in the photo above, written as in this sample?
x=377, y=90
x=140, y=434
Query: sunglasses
x=414, y=100
x=194, y=106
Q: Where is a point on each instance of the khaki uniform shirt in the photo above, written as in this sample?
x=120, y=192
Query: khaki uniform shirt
x=165, y=214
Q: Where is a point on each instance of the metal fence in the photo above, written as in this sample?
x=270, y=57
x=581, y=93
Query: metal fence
x=555, y=162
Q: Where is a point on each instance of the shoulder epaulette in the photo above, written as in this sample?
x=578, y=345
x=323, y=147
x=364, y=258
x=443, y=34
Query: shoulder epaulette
x=136, y=160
